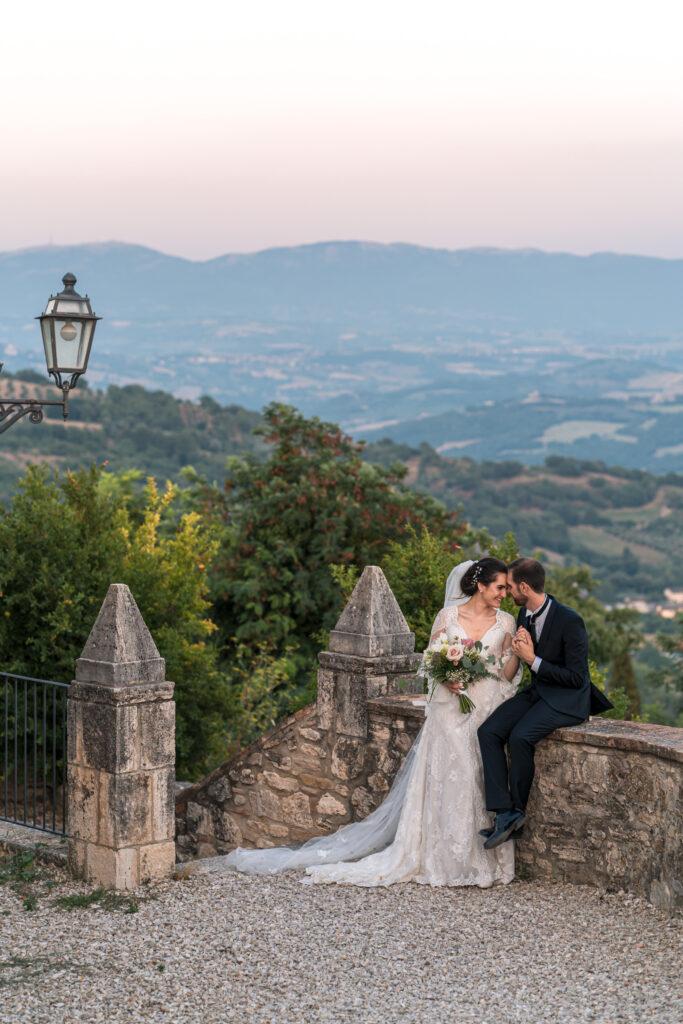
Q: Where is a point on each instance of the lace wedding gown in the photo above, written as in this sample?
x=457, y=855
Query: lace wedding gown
x=427, y=829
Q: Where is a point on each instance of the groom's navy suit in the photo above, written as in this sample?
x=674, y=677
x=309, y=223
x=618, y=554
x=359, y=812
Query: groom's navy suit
x=560, y=693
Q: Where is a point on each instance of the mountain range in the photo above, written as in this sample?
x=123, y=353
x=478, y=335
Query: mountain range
x=482, y=352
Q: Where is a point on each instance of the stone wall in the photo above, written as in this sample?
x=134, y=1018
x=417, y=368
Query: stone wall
x=605, y=808
x=295, y=782
x=330, y=763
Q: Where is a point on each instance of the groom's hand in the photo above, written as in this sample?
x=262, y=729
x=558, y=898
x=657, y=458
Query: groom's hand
x=522, y=645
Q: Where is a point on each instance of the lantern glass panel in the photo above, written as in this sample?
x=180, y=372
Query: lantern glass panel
x=78, y=308
x=46, y=329
x=71, y=353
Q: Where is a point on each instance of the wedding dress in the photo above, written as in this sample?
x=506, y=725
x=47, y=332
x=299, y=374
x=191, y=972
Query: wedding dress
x=427, y=828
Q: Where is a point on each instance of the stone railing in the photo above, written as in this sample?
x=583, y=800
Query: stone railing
x=330, y=763
x=605, y=807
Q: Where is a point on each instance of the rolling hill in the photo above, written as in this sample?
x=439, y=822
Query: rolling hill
x=624, y=523
x=389, y=339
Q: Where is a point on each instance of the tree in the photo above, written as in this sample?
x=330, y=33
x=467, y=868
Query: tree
x=622, y=677
x=64, y=540
x=671, y=644
x=282, y=523
x=626, y=638
x=610, y=632
x=416, y=568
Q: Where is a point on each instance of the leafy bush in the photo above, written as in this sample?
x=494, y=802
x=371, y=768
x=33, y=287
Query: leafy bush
x=64, y=540
x=280, y=524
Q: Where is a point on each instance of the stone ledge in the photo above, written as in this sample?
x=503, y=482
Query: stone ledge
x=128, y=693
x=45, y=846
x=120, y=673
x=661, y=741
x=383, y=664
x=398, y=704
x=387, y=645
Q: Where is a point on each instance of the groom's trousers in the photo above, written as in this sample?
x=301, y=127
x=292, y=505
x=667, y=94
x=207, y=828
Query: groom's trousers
x=520, y=722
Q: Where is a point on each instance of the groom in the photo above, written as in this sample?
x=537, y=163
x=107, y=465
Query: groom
x=551, y=638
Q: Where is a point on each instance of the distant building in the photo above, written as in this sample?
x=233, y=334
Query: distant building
x=666, y=612
x=638, y=605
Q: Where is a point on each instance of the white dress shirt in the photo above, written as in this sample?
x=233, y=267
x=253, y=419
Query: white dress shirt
x=539, y=622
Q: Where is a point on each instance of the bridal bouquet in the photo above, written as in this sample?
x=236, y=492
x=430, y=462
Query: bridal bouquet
x=457, y=661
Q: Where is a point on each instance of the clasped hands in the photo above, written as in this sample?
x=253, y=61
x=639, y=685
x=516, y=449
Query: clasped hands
x=523, y=646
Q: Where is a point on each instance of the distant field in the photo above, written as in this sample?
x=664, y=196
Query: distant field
x=599, y=540
x=673, y=449
x=658, y=508
x=573, y=430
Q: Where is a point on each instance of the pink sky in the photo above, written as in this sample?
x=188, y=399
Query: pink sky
x=204, y=129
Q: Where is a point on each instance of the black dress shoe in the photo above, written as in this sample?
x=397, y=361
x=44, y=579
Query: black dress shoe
x=506, y=824
x=487, y=832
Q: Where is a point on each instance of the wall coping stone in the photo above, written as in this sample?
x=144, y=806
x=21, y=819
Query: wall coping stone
x=380, y=665
x=398, y=704
x=371, y=645
x=663, y=741
x=129, y=693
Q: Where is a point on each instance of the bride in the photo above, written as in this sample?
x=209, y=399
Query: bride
x=427, y=829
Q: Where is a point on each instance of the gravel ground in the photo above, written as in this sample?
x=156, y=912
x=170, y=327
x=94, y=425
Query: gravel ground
x=219, y=948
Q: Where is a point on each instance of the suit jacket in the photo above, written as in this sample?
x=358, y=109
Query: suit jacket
x=563, y=680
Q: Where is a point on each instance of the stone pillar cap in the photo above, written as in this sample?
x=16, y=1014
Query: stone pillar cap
x=372, y=624
x=120, y=648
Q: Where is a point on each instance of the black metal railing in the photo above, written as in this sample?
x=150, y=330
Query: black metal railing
x=33, y=758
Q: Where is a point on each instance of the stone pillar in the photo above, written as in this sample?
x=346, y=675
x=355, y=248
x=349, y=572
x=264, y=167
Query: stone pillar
x=121, y=752
x=371, y=648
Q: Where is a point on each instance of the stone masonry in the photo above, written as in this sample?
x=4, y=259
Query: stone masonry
x=121, y=752
x=330, y=763
x=606, y=809
x=606, y=805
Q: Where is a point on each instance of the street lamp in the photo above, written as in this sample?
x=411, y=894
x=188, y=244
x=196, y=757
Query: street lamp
x=68, y=328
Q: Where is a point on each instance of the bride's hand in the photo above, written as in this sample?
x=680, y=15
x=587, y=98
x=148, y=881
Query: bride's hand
x=453, y=687
x=522, y=646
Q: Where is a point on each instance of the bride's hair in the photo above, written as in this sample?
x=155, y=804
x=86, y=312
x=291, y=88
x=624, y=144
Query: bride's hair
x=484, y=571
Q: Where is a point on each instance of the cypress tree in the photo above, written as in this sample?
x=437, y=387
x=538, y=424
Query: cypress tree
x=622, y=676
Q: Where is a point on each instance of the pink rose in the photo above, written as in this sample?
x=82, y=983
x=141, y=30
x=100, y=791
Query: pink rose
x=468, y=643
x=455, y=652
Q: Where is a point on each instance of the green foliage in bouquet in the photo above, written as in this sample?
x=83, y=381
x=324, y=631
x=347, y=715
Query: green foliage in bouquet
x=473, y=665
x=469, y=663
